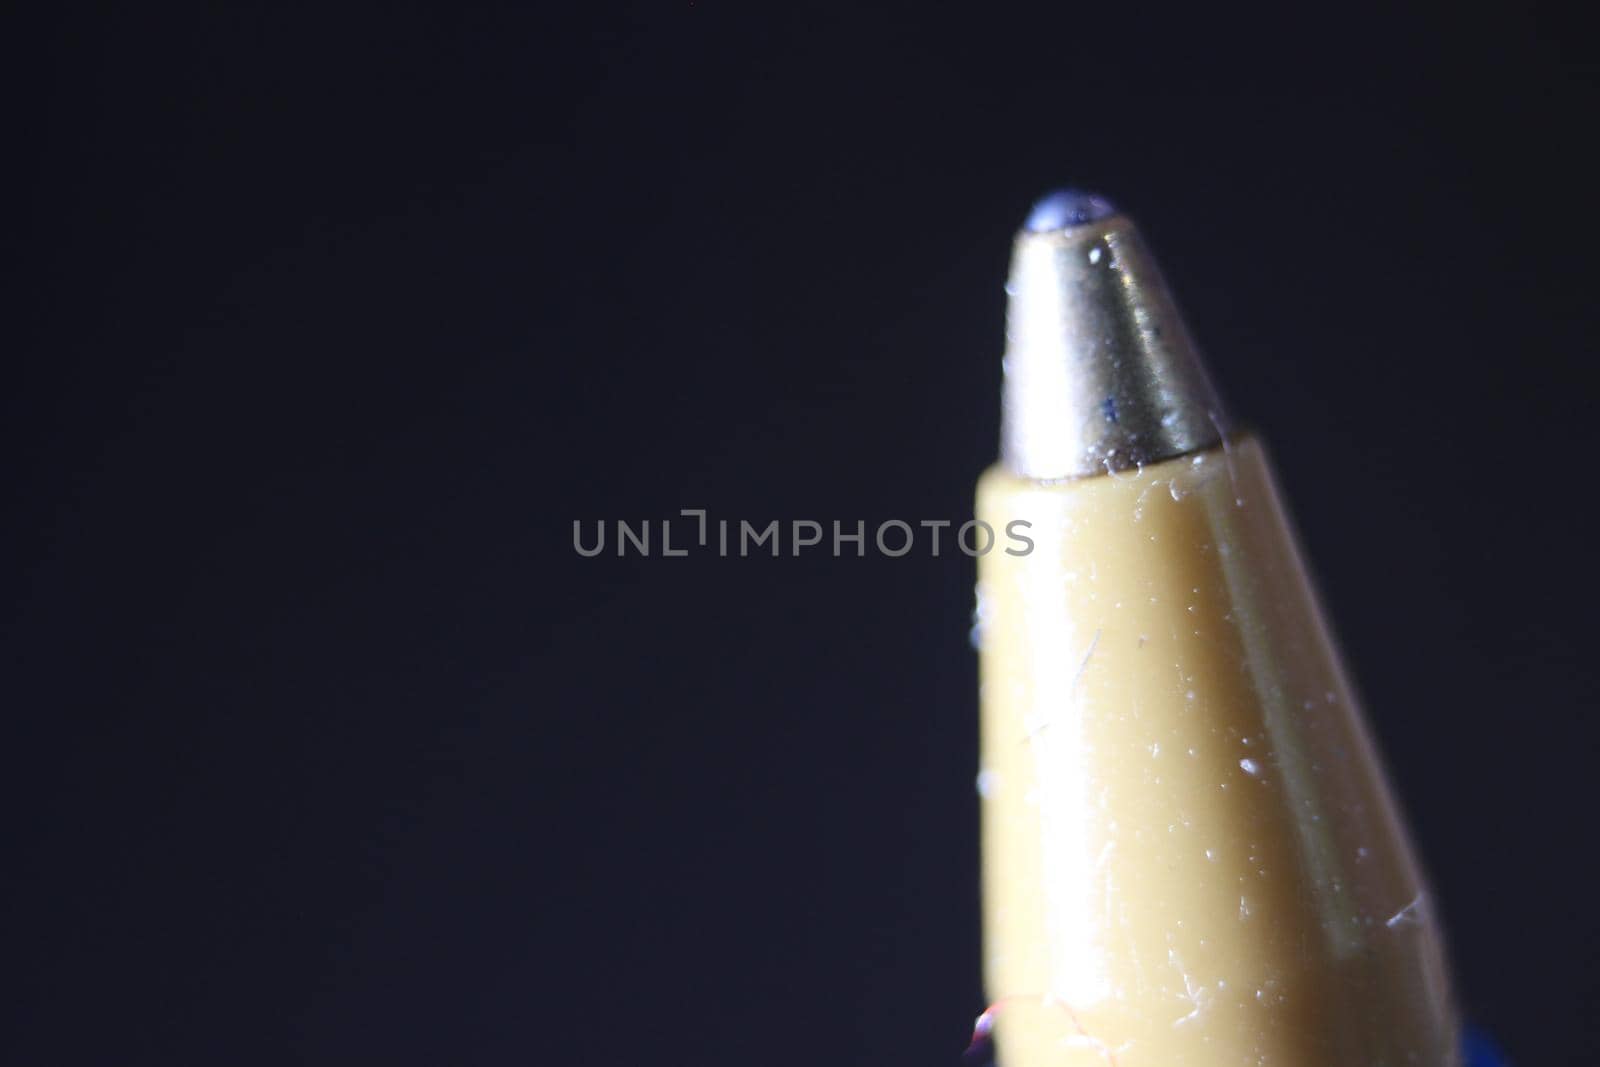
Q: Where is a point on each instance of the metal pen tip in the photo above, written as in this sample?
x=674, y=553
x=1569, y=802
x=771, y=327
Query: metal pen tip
x=1100, y=372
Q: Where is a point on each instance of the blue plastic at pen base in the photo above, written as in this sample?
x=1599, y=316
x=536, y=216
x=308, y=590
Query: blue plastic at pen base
x=1478, y=1051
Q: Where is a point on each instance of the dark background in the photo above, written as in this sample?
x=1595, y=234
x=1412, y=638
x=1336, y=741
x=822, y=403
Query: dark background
x=322, y=744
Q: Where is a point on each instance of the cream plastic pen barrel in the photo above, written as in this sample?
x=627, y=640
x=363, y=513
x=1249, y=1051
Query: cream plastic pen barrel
x=1190, y=853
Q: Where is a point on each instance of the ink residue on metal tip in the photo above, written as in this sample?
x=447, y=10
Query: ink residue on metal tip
x=1068, y=207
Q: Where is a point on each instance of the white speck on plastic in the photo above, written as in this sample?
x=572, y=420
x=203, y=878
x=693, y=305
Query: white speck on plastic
x=1249, y=766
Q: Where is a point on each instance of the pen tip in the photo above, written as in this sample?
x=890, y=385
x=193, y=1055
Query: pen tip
x=1064, y=208
x=1100, y=372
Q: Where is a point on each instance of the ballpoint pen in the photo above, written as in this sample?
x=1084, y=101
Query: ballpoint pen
x=1190, y=852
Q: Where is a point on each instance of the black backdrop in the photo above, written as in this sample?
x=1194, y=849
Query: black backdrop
x=324, y=746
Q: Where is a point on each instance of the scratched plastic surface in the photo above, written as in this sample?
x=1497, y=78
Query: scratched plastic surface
x=1191, y=856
